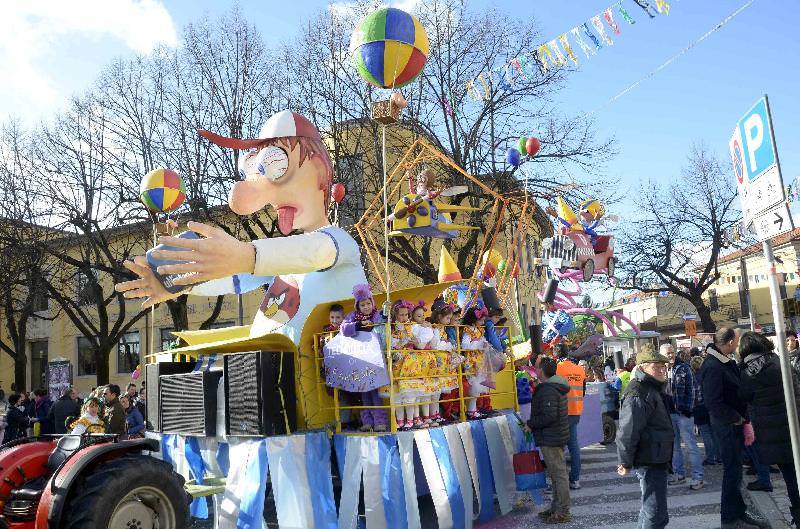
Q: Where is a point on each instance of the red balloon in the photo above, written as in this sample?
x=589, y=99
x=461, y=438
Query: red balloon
x=338, y=192
x=532, y=146
x=488, y=270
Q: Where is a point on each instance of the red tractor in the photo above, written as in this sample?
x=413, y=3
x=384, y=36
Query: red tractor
x=89, y=482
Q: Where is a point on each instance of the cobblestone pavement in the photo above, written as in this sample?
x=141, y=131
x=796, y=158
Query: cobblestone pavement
x=607, y=500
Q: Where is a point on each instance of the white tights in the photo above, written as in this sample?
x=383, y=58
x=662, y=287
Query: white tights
x=406, y=406
x=475, y=390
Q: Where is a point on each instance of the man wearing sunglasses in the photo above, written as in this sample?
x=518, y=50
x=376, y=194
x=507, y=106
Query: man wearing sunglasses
x=288, y=168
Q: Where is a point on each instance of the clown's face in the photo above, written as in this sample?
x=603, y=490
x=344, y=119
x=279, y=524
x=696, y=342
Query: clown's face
x=365, y=306
x=273, y=176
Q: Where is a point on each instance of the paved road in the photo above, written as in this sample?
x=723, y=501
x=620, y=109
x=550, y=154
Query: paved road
x=609, y=501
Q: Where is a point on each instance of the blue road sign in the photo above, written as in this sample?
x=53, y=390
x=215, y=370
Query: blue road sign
x=752, y=145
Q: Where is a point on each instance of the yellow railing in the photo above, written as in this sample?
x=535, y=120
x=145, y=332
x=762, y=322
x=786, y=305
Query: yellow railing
x=321, y=338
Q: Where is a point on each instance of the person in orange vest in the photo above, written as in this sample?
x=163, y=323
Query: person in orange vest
x=569, y=369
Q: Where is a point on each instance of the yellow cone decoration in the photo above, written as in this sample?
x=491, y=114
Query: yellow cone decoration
x=565, y=212
x=448, y=271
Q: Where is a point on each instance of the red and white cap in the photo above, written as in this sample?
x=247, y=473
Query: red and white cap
x=284, y=124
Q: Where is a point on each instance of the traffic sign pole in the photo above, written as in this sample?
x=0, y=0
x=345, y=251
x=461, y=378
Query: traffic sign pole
x=783, y=355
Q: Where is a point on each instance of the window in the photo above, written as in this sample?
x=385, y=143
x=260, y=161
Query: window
x=128, y=352
x=85, y=287
x=39, y=299
x=713, y=301
x=350, y=172
x=167, y=338
x=86, y=363
x=525, y=315
x=743, y=305
x=39, y=363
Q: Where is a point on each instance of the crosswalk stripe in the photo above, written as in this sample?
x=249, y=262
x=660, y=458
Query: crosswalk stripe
x=674, y=502
x=691, y=521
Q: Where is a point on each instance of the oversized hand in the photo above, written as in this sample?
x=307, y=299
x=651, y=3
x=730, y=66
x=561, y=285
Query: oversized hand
x=216, y=255
x=147, y=286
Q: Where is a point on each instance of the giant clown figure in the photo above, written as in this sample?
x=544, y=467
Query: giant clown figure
x=288, y=167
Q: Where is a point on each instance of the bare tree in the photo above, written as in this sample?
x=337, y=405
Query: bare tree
x=679, y=232
x=474, y=132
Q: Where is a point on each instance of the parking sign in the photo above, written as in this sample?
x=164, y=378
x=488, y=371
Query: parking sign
x=755, y=162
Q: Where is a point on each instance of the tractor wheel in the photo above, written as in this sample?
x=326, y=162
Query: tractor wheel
x=612, y=263
x=588, y=270
x=137, y=492
x=609, y=430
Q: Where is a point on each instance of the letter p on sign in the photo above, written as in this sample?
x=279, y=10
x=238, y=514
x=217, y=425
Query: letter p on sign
x=754, y=137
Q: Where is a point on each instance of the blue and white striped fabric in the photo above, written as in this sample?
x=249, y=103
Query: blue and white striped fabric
x=301, y=480
x=242, y=506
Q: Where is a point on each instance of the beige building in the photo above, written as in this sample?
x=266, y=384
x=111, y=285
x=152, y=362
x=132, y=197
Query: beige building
x=727, y=298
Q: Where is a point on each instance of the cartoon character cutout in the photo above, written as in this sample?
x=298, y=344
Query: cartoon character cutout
x=281, y=302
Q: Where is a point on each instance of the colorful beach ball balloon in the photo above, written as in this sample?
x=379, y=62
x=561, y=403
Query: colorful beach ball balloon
x=162, y=190
x=389, y=48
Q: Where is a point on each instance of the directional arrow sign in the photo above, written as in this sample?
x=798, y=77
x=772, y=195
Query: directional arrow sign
x=773, y=222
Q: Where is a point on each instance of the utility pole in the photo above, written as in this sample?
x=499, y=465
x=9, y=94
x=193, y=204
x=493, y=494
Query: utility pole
x=746, y=291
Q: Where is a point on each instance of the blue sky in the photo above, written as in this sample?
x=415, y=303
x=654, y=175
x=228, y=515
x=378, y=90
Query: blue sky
x=55, y=50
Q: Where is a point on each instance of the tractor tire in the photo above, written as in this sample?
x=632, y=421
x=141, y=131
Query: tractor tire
x=609, y=430
x=612, y=264
x=133, y=491
x=588, y=270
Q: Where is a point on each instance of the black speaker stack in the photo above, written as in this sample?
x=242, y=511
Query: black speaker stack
x=260, y=394
x=189, y=403
x=152, y=377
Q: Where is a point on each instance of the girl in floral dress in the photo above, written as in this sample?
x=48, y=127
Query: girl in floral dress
x=406, y=364
x=446, y=355
x=424, y=337
x=473, y=346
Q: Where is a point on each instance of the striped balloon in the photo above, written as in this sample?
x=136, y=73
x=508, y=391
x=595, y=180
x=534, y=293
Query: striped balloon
x=389, y=48
x=162, y=190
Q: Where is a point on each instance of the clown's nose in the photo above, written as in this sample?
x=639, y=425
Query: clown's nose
x=247, y=197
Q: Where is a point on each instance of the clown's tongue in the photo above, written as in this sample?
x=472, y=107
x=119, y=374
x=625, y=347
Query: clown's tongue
x=286, y=219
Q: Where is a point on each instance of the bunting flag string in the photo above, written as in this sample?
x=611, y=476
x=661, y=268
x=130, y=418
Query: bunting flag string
x=555, y=53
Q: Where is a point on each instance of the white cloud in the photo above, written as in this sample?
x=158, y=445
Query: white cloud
x=34, y=32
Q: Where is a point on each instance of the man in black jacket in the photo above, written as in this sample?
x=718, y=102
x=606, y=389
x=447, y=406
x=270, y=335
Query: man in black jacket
x=645, y=436
x=549, y=423
x=728, y=413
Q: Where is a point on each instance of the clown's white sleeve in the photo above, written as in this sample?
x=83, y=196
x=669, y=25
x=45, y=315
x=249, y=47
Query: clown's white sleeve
x=237, y=284
x=296, y=254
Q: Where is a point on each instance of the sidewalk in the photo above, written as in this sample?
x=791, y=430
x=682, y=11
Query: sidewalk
x=774, y=506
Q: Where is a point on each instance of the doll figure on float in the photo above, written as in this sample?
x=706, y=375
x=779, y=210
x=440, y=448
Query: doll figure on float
x=289, y=169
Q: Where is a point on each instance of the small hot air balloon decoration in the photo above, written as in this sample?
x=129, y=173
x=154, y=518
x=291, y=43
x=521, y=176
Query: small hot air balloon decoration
x=389, y=47
x=162, y=190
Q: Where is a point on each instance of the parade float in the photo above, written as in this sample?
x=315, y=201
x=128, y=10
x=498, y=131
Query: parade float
x=254, y=415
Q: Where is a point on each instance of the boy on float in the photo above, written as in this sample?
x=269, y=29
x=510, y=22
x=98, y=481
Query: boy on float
x=288, y=168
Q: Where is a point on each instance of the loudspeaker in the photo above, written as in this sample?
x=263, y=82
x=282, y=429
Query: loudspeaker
x=152, y=372
x=189, y=403
x=260, y=394
x=619, y=360
x=536, y=341
x=549, y=294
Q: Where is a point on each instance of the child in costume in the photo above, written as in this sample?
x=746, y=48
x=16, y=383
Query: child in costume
x=493, y=318
x=346, y=399
x=474, y=347
x=405, y=364
x=365, y=316
x=447, y=357
x=425, y=339
x=451, y=408
x=90, y=421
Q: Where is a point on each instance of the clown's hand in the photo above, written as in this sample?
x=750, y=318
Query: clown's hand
x=147, y=286
x=215, y=256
